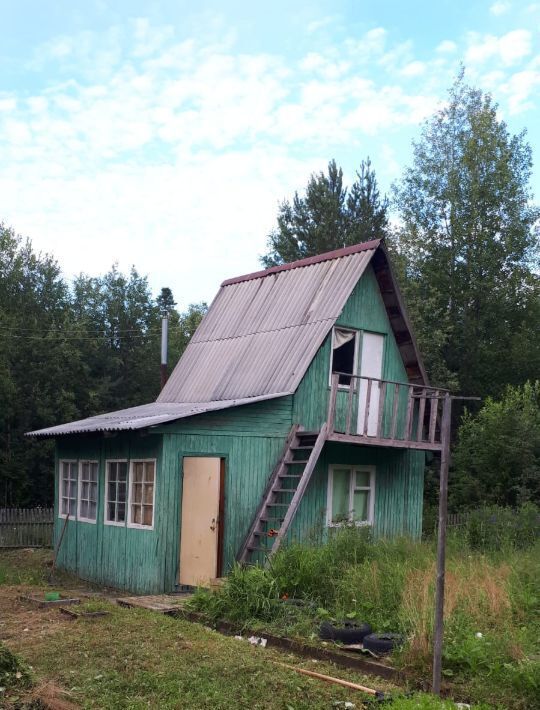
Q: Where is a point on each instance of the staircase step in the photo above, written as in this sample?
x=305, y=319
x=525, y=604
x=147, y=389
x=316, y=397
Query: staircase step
x=277, y=505
x=301, y=448
x=259, y=549
x=290, y=475
x=293, y=463
x=284, y=490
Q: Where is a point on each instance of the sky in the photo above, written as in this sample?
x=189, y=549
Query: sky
x=163, y=134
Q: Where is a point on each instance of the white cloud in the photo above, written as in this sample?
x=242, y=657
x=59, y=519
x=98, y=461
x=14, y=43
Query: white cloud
x=446, y=47
x=508, y=49
x=413, y=69
x=500, y=8
x=172, y=153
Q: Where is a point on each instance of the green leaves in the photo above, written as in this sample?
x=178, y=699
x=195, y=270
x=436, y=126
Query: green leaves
x=328, y=216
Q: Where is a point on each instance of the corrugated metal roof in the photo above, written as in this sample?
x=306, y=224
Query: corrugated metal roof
x=259, y=337
x=263, y=330
x=146, y=415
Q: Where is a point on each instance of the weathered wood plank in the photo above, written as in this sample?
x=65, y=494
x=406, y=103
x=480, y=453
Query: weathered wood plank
x=408, y=416
x=394, y=411
x=385, y=443
x=421, y=412
x=433, y=407
x=382, y=402
x=368, y=404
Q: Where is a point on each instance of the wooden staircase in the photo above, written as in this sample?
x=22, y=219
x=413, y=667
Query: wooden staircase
x=284, y=491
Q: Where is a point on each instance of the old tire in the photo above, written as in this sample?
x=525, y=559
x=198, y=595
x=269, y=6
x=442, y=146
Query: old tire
x=351, y=634
x=382, y=643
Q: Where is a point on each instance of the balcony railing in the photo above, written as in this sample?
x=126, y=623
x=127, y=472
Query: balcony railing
x=367, y=410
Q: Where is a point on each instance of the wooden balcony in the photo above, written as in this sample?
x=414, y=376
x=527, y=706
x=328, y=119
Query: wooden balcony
x=373, y=412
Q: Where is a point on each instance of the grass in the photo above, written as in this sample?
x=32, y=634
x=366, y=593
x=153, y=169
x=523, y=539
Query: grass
x=492, y=630
x=134, y=659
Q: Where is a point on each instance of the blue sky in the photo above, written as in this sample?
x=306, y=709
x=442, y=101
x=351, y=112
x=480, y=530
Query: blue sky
x=164, y=134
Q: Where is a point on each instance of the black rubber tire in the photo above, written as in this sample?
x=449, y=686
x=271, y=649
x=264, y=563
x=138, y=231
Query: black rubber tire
x=351, y=634
x=382, y=643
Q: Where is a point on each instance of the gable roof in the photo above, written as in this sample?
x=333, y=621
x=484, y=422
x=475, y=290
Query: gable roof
x=260, y=335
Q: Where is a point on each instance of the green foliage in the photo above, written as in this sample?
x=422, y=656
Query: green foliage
x=496, y=459
x=492, y=611
x=328, y=216
x=13, y=672
x=469, y=245
x=71, y=351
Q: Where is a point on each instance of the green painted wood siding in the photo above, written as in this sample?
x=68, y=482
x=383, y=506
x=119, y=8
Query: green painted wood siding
x=363, y=311
x=122, y=557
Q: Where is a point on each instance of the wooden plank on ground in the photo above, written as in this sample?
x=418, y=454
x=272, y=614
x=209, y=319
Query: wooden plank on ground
x=162, y=603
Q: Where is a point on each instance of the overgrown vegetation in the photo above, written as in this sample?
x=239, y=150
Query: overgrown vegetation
x=14, y=674
x=491, y=606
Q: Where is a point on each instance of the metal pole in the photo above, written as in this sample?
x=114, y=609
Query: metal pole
x=438, y=624
x=164, y=341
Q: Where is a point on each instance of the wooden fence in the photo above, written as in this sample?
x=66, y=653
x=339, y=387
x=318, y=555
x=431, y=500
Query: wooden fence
x=26, y=527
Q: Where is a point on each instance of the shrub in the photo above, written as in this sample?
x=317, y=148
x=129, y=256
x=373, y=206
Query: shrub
x=13, y=672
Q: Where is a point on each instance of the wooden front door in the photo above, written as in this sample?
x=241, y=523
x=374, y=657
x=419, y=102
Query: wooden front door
x=200, y=535
x=371, y=364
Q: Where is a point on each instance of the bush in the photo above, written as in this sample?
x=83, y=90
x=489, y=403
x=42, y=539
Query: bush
x=497, y=528
x=13, y=672
x=497, y=454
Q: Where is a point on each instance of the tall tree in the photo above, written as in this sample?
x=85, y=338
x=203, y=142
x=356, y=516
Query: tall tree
x=328, y=216
x=469, y=241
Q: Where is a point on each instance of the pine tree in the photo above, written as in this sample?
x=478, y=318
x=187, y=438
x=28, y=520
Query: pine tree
x=328, y=217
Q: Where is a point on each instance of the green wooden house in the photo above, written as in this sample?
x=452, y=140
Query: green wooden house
x=300, y=403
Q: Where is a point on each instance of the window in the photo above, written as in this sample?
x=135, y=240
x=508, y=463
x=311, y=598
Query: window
x=344, y=348
x=116, y=487
x=88, y=487
x=351, y=495
x=68, y=489
x=141, y=510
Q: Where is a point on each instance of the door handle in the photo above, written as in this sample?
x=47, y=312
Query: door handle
x=213, y=525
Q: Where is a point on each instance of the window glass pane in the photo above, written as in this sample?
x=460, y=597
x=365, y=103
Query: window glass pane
x=72, y=507
x=138, y=472
x=361, y=505
x=122, y=492
x=340, y=495
x=111, y=494
x=149, y=471
x=148, y=493
x=94, y=472
x=137, y=492
x=121, y=513
x=85, y=490
x=93, y=492
x=111, y=512
x=136, y=514
x=92, y=510
x=147, y=511
x=122, y=471
x=362, y=479
x=84, y=509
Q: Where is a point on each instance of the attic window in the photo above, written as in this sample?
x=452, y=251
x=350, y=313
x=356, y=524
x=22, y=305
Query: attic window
x=344, y=354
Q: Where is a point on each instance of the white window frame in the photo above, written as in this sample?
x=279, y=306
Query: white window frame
x=60, y=496
x=80, y=517
x=357, y=334
x=140, y=526
x=353, y=470
x=114, y=523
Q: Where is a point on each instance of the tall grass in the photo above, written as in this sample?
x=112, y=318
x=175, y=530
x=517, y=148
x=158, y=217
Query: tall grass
x=492, y=597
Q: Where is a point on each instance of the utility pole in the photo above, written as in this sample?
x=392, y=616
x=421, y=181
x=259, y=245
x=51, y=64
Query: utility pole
x=164, y=343
x=438, y=623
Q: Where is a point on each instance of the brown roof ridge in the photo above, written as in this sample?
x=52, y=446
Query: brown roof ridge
x=309, y=261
